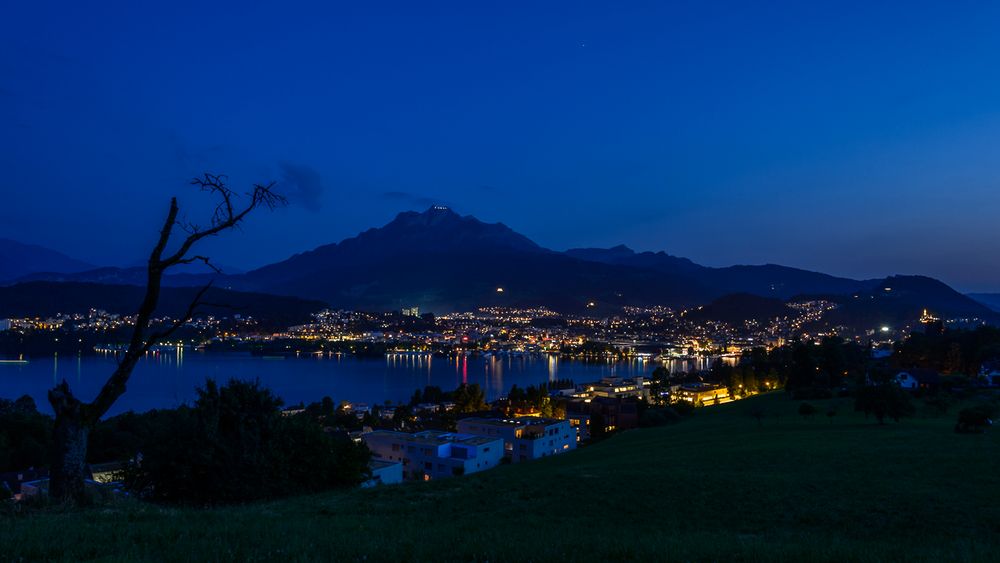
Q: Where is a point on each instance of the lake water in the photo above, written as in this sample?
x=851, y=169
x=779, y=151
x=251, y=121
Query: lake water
x=169, y=379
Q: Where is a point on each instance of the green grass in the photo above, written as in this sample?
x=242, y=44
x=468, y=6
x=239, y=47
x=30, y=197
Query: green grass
x=716, y=487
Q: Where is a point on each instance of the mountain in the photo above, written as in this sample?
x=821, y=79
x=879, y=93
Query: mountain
x=119, y=276
x=896, y=300
x=46, y=299
x=18, y=259
x=739, y=307
x=991, y=300
x=770, y=280
x=439, y=260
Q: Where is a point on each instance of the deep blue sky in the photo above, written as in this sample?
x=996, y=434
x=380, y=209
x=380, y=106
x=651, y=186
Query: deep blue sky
x=858, y=139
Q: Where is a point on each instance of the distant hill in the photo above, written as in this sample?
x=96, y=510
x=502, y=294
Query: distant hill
x=120, y=276
x=47, y=299
x=441, y=261
x=897, y=300
x=991, y=300
x=739, y=307
x=19, y=259
x=769, y=280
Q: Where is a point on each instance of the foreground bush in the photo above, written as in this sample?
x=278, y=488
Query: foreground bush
x=975, y=420
x=234, y=445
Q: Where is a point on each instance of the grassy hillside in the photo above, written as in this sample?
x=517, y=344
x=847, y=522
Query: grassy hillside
x=717, y=487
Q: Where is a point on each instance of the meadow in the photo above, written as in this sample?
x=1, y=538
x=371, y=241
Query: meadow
x=718, y=486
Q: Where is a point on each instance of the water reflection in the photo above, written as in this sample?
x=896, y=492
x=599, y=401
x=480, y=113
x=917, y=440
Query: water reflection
x=170, y=378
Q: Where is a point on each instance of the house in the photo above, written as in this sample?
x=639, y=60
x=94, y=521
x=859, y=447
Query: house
x=619, y=388
x=14, y=481
x=704, y=393
x=581, y=423
x=990, y=371
x=433, y=454
x=918, y=378
x=524, y=438
x=384, y=473
x=618, y=414
x=106, y=472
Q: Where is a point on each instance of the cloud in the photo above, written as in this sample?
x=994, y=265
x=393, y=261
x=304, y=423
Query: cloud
x=413, y=199
x=302, y=185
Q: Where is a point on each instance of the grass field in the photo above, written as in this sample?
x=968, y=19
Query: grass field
x=715, y=487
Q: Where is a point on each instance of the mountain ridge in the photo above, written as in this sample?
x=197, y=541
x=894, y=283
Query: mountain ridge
x=441, y=261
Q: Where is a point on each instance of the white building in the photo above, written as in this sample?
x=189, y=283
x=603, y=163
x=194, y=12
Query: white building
x=526, y=437
x=5, y=324
x=384, y=473
x=434, y=454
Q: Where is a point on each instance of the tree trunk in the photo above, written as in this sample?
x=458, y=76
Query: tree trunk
x=69, y=447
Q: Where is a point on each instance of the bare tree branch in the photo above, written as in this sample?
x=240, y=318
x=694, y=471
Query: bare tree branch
x=225, y=216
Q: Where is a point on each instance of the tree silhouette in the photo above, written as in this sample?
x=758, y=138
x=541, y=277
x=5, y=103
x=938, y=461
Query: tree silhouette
x=75, y=419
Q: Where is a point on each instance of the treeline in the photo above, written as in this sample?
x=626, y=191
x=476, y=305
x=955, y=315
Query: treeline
x=951, y=352
x=234, y=444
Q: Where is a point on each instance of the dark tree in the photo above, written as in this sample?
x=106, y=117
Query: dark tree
x=75, y=419
x=884, y=400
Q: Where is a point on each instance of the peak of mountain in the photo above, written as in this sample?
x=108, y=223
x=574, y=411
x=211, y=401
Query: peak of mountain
x=440, y=260
x=18, y=259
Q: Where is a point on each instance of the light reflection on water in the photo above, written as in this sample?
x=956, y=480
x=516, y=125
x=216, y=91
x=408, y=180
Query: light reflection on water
x=169, y=378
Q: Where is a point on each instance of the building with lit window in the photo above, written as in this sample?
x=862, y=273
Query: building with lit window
x=524, y=438
x=704, y=393
x=433, y=454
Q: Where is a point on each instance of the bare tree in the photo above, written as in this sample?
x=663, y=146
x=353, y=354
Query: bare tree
x=74, y=418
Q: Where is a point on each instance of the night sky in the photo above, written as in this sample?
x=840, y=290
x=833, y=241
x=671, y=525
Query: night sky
x=857, y=139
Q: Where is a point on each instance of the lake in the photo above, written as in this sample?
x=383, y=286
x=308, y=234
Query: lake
x=169, y=379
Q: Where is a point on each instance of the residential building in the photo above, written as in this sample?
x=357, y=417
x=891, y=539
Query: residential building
x=433, y=454
x=619, y=388
x=384, y=473
x=990, y=371
x=918, y=378
x=581, y=423
x=526, y=437
x=617, y=414
x=704, y=393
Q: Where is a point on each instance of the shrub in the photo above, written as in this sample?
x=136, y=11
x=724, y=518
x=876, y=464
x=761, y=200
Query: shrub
x=974, y=420
x=806, y=410
x=683, y=408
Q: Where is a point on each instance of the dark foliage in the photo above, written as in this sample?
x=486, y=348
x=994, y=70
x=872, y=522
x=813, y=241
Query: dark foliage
x=975, y=420
x=949, y=351
x=25, y=435
x=234, y=445
x=884, y=400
